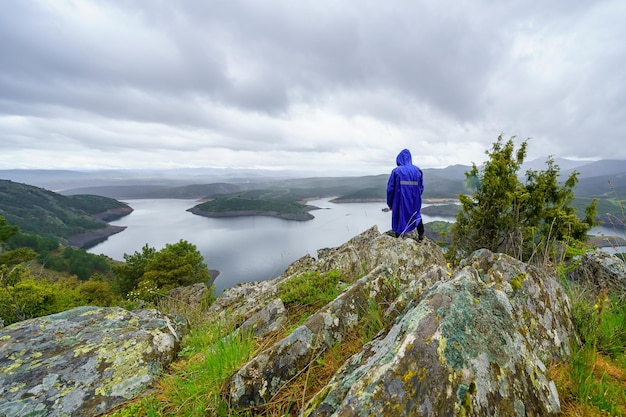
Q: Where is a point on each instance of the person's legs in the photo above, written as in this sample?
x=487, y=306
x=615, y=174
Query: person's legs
x=420, y=230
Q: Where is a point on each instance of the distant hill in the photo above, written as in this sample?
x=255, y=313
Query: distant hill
x=564, y=164
x=76, y=220
x=201, y=183
x=452, y=172
x=285, y=189
x=49, y=179
x=606, y=186
x=131, y=192
x=603, y=168
x=440, y=183
x=62, y=180
x=606, y=178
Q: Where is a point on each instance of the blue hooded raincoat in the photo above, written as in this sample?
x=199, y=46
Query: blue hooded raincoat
x=404, y=194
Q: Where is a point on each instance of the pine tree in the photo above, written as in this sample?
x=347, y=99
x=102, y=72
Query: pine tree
x=522, y=220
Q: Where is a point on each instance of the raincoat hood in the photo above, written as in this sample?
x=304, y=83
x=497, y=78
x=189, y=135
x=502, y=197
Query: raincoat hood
x=404, y=158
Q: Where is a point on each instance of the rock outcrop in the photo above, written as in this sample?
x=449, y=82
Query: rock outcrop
x=384, y=257
x=83, y=361
x=474, y=342
x=195, y=297
x=603, y=272
x=471, y=341
x=472, y=345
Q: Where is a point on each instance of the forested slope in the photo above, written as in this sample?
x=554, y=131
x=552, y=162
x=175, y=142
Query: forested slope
x=46, y=213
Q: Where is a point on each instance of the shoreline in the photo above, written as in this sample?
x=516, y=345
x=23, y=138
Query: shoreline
x=90, y=239
x=113, y=214
x=600, y=241
x=248, y=213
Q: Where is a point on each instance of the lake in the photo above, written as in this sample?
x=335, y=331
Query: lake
x=610, y=231
x=254, y=248
x=243, y=249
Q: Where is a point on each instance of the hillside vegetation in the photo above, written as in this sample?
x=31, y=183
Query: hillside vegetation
x=38, y=276
x=46, y=213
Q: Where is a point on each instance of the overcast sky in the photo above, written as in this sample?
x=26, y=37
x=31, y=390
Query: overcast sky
x=326, y=87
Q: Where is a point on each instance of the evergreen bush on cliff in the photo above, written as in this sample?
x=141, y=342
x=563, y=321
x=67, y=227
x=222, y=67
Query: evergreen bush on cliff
x=524, y=220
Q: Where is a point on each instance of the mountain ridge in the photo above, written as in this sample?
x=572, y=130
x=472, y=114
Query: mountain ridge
x=189, y=183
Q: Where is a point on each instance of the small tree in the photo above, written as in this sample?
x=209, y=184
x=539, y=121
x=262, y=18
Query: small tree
x=489, y=218
x=176, y=265
x=548, y=214
x=504, y=215
x=149, y=274
x=128, y=274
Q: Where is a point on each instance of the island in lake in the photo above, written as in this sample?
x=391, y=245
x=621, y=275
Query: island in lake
x=235, y=206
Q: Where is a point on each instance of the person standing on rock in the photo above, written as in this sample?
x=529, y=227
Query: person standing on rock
x=404, y=196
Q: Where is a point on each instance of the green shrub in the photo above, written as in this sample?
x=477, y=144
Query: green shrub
x=211, y=354
x=96, y=293
x=600, y=323
x=150, y=273
x=312, y=289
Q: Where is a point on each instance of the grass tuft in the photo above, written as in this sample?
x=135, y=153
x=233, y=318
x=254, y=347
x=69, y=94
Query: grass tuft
x=593, y=382
x=312, y=289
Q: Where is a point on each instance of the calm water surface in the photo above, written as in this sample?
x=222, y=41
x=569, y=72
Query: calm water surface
x=243, y=249
x=610, y=231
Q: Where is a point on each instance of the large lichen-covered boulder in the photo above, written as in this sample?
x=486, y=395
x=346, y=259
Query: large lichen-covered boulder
x=540, y=305
x=602, y=271
x=195, y=296
x=243, y=300
x=472, y=345
x=83, y=361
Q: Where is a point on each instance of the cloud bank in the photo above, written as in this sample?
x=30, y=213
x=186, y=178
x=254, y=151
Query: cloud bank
x=323, y=88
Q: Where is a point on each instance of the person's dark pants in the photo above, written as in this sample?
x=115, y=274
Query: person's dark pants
x=420, y=231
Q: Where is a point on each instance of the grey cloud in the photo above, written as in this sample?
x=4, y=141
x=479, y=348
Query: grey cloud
x=243, y=74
